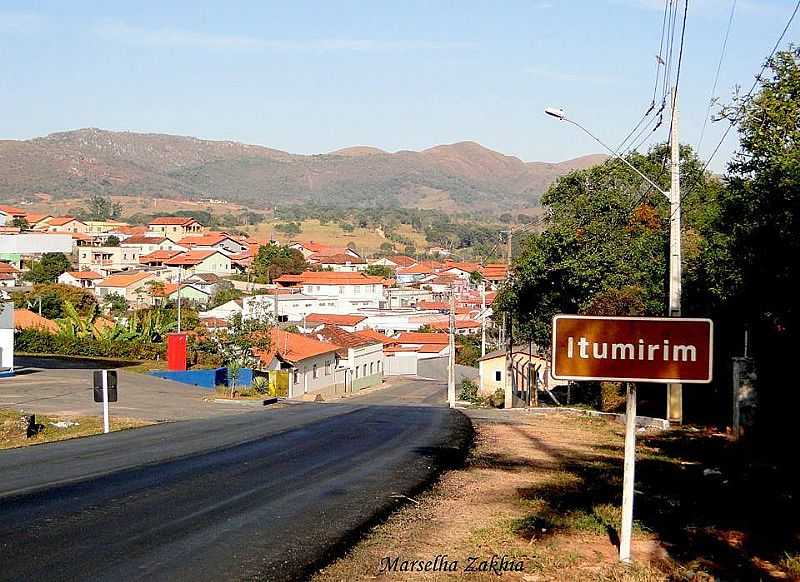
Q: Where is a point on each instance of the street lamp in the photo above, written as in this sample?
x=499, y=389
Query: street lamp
x=561, y=115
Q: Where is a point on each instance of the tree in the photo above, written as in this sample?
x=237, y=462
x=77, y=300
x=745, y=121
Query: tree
x=272, y=261
x=290, y=228
x=48, y=268
x=749, y=270
x=605, y=230
x=115, y=304
x=380, y=271
x=112, y=241
x=21, y=223
x=475, y=278
x=241, y=343
x=224, y=295
x=101, y=208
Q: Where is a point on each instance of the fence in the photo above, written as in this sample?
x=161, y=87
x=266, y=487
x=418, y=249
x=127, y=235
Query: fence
x=207, y=379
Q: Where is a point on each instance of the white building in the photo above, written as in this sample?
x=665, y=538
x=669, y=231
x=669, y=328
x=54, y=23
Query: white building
x=361, y=357
x=82, y=279
x=311, y=363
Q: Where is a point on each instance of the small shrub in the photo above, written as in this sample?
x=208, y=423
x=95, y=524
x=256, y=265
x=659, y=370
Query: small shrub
x=612, y=397
x=498, y=399
x=469, y=390
x=260, y=385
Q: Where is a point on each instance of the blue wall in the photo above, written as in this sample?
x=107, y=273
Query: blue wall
x=206, y=379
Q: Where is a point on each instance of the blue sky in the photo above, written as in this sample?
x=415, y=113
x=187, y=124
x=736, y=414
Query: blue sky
x=311, y=77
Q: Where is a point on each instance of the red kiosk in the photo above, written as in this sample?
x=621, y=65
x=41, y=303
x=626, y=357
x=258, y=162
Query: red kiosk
x=176, y=351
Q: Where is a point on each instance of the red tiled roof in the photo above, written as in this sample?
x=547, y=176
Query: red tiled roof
x=34, y=217
x=158, y=256
x=462, y=266
x=331, y=278
x=123, y=279
x=85, y=275
x=431, y=348
x=130, y=230
x=143, y=239
x=339, y=337
x=62, y=220
x=173, y=221
x=6, y=268
x=334, y=319
x=377, y=336
x=289, y=279
x=422, y=338
x=337, y=259
x=12, y=210
x=294, y=347
x=402, y=260
x=189, y=258
x=26, y=319
x=208, y=239
x=422, y=268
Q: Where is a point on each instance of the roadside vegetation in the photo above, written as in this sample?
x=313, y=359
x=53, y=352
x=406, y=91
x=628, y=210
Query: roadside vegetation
x=546, y=490
x=16, y=431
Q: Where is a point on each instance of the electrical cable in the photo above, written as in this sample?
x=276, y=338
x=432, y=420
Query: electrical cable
x=716, y=75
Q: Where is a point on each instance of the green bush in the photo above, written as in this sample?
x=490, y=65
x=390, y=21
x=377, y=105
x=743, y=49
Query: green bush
x=498, y=399
x=260, y=384
x=34, y=341
x=469, y=390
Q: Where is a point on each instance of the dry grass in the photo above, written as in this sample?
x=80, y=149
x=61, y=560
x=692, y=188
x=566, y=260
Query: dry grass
x=78, y=426
x=546, y=490
x=508, y=501
x=366, y=240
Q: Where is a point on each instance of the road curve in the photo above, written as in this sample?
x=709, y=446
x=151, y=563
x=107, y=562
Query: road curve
x=270, y=495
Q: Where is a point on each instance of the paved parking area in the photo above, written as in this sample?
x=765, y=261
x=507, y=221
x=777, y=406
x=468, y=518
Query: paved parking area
x=69, y=392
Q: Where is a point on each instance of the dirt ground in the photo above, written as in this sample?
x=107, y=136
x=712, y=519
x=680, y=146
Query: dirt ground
x=544, y=492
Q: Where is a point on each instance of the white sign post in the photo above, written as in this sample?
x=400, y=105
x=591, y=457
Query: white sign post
x=106, y=428
x=628, y=475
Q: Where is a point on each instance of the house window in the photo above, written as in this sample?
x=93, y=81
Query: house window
x=341, y=290
x=327, y=367
x=314, y=372
x=357, y=289
x=371, y=369
x=296, y=376
x=356, y=371
x=365, y=369
x=498, y=375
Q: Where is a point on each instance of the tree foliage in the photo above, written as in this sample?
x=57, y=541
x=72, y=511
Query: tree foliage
x=48, y=268
x=272, y=261
x=606, y=233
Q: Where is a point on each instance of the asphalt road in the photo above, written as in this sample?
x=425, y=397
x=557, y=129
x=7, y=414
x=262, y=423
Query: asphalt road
x=52, y=386
x=270, y=495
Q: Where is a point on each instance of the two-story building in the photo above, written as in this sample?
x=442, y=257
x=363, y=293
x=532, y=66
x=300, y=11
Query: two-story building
x=353, y=290
x=107, y=260
x=207, y=261
x=174, y=227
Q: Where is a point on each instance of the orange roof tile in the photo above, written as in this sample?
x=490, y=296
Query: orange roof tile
x=294, y=347
x=423, y=338
x=339, y=337
x=376, y=335
x=332, y=278
x=334, y=319
x=62, y=220
x=402, y=260
x=337, y=259
x=158, y=256
x=173, y=221
x=123, y=279
x=460, y=324
x=6, y=268
x=143, y=239
x=190, y=258
x=85, y=275
x=26, y=319
x=12, y=210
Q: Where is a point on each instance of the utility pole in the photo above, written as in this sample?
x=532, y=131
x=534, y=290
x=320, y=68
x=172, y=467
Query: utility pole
x=483, y=319
x=451, y=362
x=675, y=391
x=180, y=270
x=508, y=337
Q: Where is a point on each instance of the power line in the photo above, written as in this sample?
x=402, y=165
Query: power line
x=743, y=102
x=716, y=75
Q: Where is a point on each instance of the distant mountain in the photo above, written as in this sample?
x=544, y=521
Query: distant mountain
x=463, y=175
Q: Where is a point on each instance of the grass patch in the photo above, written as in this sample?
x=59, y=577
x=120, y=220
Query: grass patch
x=791, y=563
x=57, y=428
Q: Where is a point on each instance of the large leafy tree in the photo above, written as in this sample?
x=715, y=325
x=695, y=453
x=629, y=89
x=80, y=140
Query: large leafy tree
x=750, y=266
x=272, y=261
x=605, y=242
x=47, y=268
